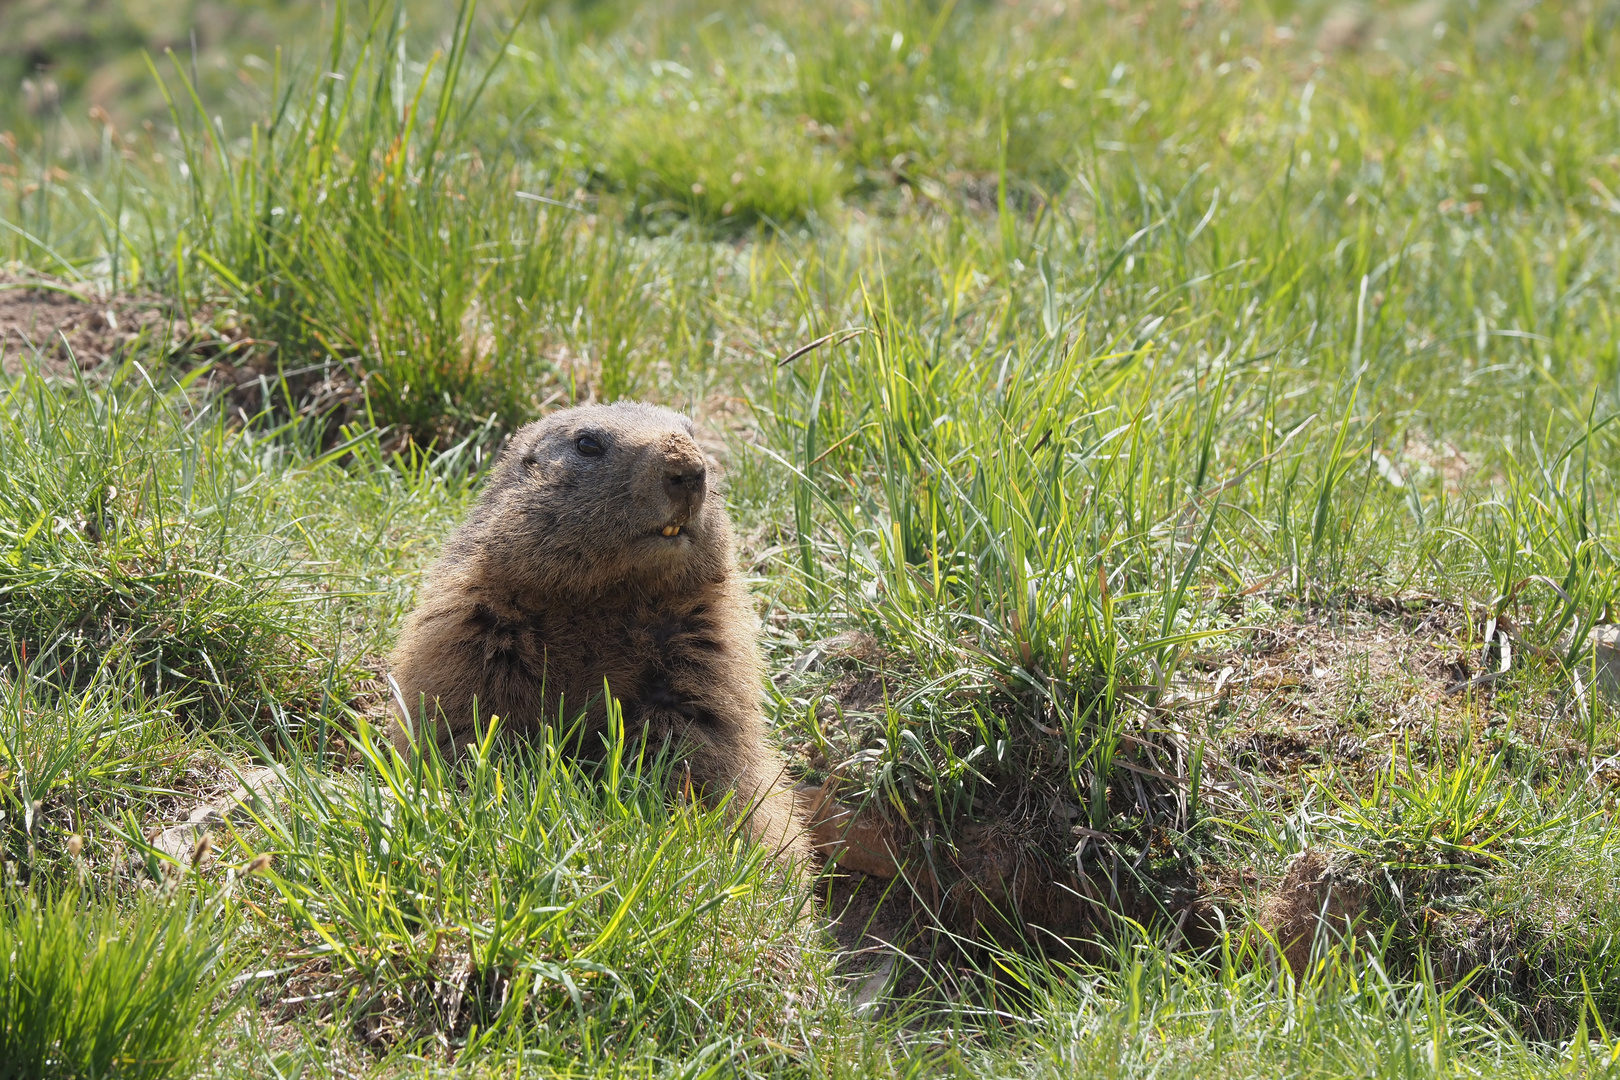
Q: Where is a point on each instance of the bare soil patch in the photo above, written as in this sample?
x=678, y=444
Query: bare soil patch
x=1329, y=684
x=63, y=327
x=60, y=328
x=1316, y=898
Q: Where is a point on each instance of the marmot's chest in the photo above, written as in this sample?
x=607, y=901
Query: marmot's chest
x=650, y=659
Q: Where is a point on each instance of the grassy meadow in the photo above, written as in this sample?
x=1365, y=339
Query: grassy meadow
x=1172, y=447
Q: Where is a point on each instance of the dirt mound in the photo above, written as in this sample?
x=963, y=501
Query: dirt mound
x=1317, y=900
x=1340, y=684
x=59, y=328
x=996, y=881
x=62, y=327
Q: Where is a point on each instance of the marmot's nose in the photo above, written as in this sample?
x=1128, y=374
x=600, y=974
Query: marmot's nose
x=684, y=485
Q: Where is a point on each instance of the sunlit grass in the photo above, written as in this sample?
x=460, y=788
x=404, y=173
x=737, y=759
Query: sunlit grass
x=1148, y=335
x=517, y=903
x=88, y=990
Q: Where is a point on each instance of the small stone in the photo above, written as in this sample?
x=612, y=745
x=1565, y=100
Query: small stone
x=1606, y=652
x=260, y=784
x=178, y=842
x=205, y=815
x=861, y=840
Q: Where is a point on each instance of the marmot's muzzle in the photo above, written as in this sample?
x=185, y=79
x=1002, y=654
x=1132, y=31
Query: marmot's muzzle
x=685, y=482
x=685, y=486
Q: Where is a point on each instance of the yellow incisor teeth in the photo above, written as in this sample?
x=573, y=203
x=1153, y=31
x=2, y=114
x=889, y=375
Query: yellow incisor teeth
x=672, y=530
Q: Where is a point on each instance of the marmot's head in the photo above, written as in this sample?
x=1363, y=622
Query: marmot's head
x=599, y=496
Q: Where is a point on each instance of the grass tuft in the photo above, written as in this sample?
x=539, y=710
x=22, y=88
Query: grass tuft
x=89, y=990
x=516, y=902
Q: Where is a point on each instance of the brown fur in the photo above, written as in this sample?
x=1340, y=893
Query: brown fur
x=1315, y=900
x=561, y=578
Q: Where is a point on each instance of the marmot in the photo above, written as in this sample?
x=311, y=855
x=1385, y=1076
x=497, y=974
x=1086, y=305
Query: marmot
x=599, y=551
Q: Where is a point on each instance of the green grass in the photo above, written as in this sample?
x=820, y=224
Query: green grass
x=1221, y=1018
x=88, y=990
x=127, y=547
x=1161, y=343
x=518, y=905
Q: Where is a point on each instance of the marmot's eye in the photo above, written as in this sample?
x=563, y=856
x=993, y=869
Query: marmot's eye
x=588, y=445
